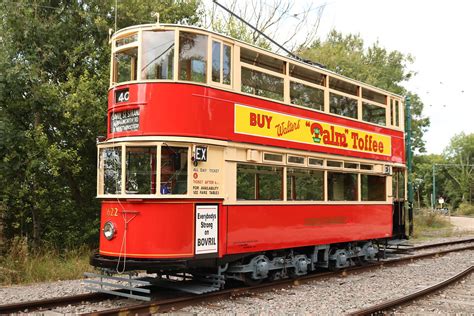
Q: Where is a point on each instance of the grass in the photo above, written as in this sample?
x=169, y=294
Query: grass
x=428, y=224
x=21, y=266
x=465, y=209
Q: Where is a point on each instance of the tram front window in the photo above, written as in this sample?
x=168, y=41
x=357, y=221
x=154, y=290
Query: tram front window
x=157, y=55
x=141, y=170
x=174, y=170
x=112, y=170
x=125, y=65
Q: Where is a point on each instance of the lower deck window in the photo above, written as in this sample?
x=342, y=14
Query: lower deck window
x=372, y=187
x=141, y=170
x=112, y=166
x=342, y=186
x=174, y=170
x=305, y=184
x=259, y=182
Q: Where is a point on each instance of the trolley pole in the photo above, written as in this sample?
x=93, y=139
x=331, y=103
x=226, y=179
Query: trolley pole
x=409, y=164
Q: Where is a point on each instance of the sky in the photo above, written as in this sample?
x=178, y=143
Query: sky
x=438, y=34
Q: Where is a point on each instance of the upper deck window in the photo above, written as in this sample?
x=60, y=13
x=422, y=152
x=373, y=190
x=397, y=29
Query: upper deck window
x=255, y=58
x=343, y=86
x=303, y=95
x=125, y=65
x=342, y=105
x=221, y=62
x=126, y=40
x=394, y=105
x=307, y=75
x=262, y=84
x=374, y=96
x=192, y=57
x=373, y=113
x=158, y=55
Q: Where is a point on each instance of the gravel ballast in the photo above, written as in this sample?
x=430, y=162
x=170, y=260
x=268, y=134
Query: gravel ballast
x=332, y=296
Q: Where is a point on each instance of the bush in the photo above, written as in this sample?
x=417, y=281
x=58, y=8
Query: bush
x=20, y=265
x=465, y=209
x=429, y=223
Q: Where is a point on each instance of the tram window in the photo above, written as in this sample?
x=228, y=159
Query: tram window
x=351, y=165
x=296, y=160
x=305, y=184
x=342, y=186
x=306, y=96
x=372, y=187
x=373, y=113
x=315, y=162
x=398, y=184
x=262, y=84
x=126, y=40
x=174, y=170
x=366, y=167
x=273, y=157
x=226, y=66
x=343, y=86
x=255, y=58
x=158, y=55
x=112, y=170
x=307, y=75
x=391, y=112
x=125, y=63
x=259, y=182
x=342, y=105
x=140, y=177
x=216, y=61
x=397, y=114
x=221, y=50
x=192, y=57
x=334, y=164
x=374, y=96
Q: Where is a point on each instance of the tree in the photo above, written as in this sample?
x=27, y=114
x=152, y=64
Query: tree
x=54, y=61
x=300, y=22
x=347, y=55
x=460, y=153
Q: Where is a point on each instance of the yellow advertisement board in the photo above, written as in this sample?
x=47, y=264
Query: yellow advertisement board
x=257, y=122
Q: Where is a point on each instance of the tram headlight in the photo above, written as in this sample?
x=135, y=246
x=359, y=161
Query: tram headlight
x=109, y=230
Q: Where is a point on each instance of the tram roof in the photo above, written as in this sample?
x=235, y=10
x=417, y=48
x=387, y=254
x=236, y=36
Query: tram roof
x=155, y=26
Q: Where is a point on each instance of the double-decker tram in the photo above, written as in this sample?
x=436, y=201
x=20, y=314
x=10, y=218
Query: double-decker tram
x=227, y=159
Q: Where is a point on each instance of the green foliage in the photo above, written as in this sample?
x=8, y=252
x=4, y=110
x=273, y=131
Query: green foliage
x=465, y=209
x=454, y=173
x=54, y=61
x=19, y=265
x=347, y=55
x=428, y=223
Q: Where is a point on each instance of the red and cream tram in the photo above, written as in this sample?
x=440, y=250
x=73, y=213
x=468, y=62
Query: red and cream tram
x=224, y=157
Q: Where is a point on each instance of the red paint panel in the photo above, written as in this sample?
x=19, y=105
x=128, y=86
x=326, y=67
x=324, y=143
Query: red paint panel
x=179, y=109
x=159, y=230
x=259, y=228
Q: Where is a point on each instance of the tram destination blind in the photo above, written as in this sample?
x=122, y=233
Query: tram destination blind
x=125, y=121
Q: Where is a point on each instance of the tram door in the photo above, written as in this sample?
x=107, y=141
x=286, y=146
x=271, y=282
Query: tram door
x=399, y=211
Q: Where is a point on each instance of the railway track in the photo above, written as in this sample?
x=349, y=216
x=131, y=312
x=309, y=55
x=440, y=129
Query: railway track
x=388, y=305
x=165, y=304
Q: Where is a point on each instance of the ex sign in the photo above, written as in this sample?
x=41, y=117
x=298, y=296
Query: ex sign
x=200, y=153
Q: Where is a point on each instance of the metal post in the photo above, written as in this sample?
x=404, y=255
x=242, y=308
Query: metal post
x=433, y=195
x=409, y=164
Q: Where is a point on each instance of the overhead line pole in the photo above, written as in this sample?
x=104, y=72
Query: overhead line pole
x=409, y=165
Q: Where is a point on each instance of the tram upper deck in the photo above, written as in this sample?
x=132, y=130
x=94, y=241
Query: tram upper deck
x=170, y=80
